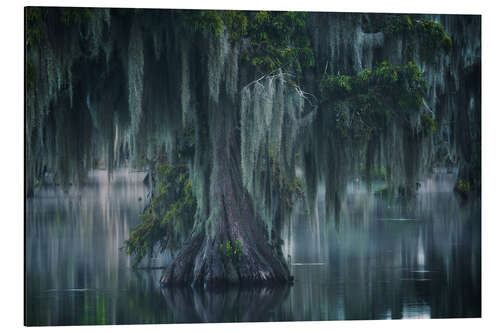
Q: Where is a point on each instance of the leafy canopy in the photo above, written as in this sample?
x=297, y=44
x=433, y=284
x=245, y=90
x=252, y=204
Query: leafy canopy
x=364, y=103
x=277, y=39
x=429, y=35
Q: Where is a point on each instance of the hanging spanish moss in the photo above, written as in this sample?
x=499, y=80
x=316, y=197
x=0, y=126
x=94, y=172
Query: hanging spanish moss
x=242, y=114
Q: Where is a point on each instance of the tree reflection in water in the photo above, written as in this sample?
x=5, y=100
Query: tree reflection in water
x=224, y=305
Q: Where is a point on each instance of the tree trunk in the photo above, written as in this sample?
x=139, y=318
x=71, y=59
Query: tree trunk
x=233, y=248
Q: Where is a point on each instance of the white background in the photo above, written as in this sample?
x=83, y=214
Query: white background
x=12, y=165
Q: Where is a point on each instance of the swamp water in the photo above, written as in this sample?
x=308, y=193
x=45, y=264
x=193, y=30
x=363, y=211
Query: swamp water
x=382, y=260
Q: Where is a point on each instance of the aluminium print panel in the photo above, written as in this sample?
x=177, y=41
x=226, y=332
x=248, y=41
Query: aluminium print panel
x=191, y=166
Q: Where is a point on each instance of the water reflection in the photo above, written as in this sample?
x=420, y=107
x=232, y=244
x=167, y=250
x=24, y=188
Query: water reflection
x=416, y=259
x=382, y=259
x=230, y=305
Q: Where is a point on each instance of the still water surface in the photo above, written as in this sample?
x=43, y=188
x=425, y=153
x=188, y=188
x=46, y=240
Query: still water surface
x=382, y=260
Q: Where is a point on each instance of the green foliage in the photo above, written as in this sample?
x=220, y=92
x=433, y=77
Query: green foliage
x=463, y=186
x=236, y=22
x=230, y=252
x=364, y=103
x=35, y=20
x=400, y=24
x=205, y=20
x=427, y=123
x=35, y=24
x=431, y=37
x=75, y=15
x=169, y=218
x=298, y=185
x=279, y=39
x=34, y=17
x=379, y=173
x=337, y=86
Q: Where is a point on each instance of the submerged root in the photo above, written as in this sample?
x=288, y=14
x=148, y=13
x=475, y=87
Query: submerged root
x=212, y=263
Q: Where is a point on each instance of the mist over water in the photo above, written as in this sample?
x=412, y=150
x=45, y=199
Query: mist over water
x=383, y=259
x=380, y=259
